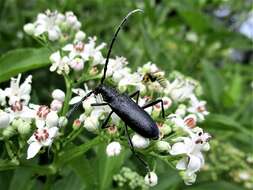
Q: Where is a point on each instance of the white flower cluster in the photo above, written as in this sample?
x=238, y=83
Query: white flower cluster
x=53, y=25
x=19, y=115
x=180, y=95
x=75, y=55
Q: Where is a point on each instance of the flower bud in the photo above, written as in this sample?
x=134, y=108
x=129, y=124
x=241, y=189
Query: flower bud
x=76, y=124
x=139, y=141
x=165, y=128
x=4, y=119
x=56, y=105
x=9, y=131
x=163, y=146
x=80, y=35
x=59, y=95
x=181, y=110
x=52, y=119
x=113, y=149
x=63, y=121
x=151, y=179
x=22, y=126
x=91, y=124
x=29, y=28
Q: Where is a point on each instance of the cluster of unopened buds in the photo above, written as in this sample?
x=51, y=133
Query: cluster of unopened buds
x=180, y=136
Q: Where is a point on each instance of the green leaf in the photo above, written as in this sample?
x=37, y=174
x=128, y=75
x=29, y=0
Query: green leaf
x=108, y=166
x=214, y=82
x=22, y=179
x=216, y=185
x=21, y=60
x=84, y=170
x=77, y=151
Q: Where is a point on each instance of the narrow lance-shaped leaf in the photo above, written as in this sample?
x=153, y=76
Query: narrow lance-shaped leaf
x=22, y=60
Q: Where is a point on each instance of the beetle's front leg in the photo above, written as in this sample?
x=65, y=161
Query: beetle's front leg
x=133, y=150
x=137, y=94
x=99, y=104
x=104, y=125
x=154, y=103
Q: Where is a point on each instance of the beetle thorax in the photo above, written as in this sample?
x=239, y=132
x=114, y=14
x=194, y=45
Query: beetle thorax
x=107, y=92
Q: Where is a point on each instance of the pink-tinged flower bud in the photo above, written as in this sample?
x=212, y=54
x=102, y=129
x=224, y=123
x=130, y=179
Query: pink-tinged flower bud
x=112, y=129
x=77, y=64
x=4, y=119
x=113, y=149
x=151, y=179
x=59, y=95
x=56, y=105
x=77, y=123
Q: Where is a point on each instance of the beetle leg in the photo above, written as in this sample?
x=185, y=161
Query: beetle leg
x=99, y=104
x=133, y=150
x=154, y=103
x=137, y=94
x=104, y=125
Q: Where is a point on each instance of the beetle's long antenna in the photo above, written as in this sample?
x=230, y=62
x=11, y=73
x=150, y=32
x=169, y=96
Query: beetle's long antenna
x=113, y=40
x=78, y=104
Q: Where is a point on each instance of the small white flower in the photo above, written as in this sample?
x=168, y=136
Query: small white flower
x=4, y=119
x=167, y=102
x=80, y=36
x=115, y=65
x=17, y=92
x=198, y=108
x=29, y=28
x=179, y=89
x=59, y=64
x=46, y=23
x=113, y=149
x=42, y=137
x=139, y=141
x=72, y=20
x=56, y=105
x=151, y=179
x=191, y=147
x=58, y=94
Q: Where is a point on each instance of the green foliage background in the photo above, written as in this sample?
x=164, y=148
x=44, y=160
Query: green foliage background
x=159, y=35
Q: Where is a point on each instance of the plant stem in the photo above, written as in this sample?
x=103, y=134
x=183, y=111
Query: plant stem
x=68, y=84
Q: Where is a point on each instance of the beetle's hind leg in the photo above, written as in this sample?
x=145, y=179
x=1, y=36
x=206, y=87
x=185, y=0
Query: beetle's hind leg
x=137, y=94
x=133, y=150
x=154, y=103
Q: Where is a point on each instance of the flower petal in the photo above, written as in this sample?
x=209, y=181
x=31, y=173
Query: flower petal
x=181, y=165
x=194, y=164
x=33, y=149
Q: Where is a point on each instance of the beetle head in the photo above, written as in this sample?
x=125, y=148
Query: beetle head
x=107, y=92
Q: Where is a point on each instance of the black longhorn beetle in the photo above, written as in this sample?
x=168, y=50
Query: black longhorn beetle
x=129, y=111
